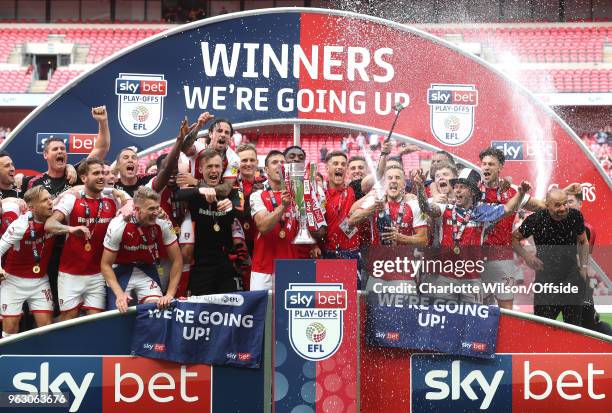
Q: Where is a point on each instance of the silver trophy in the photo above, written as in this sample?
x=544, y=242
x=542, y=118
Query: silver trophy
x=296, y=178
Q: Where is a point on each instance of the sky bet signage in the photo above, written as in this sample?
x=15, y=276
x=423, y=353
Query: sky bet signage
x=511, y=383
x=76, y=143
x=527, y=151
x=106, y=384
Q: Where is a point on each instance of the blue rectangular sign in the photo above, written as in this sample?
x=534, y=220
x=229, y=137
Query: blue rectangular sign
x=221, y=329
x=424, y=323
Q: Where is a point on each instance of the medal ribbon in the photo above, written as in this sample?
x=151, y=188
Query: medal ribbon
x=458, y=231
x=88, y=213
x=274, y=206
x=400, y=212
x=483, y=188
x=175, y=205
x=308, y=199
x=35, y=252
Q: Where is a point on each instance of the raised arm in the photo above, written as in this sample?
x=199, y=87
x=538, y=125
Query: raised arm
x=171, y=162
x=514, y=203
x=191, y=137
x=368, y=182
x=102, y=144
x=433, y=210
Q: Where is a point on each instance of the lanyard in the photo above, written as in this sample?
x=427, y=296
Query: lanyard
x=88, y=213
x=400, y=212
x=152, y=250
x=35, y=252
x=498, y=193
x=458, y=230
x=174, y=204
x=275, y=205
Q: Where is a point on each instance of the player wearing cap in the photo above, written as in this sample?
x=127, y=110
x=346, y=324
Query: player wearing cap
x=136, y=245
x=24, y=269
x=462, y=230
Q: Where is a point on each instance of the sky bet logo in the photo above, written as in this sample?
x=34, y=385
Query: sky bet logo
x=140, y=87
x=527, y=151
x=452, y=97
x=75, y=142
x=511, y=383
x=110, y=384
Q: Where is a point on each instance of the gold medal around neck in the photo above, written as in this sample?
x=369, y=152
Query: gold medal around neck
x=216, y=227
x=177, y=229
x=36, y=269
x=282, y=234
x=246, y=225
x=457, y=250
x=87, y=246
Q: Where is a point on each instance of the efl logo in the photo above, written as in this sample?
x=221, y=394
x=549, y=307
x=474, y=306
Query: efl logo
x=452, y=112
x=111, y=384
x=527, y=151
x=77, y=143
x=511, y=383
x=140, y=102
x=316, y=314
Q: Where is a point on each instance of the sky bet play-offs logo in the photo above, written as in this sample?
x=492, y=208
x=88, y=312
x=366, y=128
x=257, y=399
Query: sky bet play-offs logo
x=141, y=102
x=452, y=112
x=75, y=142
x=108, y=384
x=518, y=383
x=316, y=314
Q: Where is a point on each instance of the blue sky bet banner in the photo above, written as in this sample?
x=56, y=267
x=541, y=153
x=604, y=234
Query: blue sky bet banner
x=220, y=329
x=424, y=323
